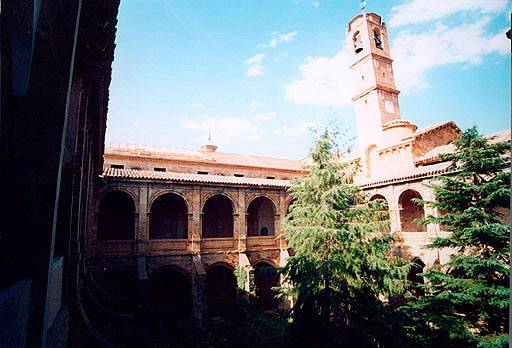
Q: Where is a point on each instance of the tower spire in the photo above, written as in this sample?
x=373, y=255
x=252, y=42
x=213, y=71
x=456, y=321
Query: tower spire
x=363, y=7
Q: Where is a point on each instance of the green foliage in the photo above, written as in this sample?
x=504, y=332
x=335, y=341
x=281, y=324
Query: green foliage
x=255, y=330
x=341, y=261
x=241, y=277
x=469, y=296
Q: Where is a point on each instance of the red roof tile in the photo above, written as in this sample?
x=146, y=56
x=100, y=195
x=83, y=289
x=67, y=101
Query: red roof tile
x=116, y=173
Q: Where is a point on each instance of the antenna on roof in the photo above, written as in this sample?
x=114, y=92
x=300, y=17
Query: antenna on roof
x=209, y=136
x=363, y=7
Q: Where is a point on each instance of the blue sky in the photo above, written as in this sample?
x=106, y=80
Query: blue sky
x=260, y=73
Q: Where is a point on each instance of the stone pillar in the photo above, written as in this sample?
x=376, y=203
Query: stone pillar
x=198, y=292
x=242, y=222
x=195, y=223
x=142, y=231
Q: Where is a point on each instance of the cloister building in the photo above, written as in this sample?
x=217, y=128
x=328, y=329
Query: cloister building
x=147, y=234
x=189, y=218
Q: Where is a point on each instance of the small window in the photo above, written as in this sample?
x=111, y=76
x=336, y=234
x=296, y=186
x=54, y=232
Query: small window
x=117, y=166
x=203, y=173
x=159, y=169
x=239, y=175
x=362, y=78
x=271, y=177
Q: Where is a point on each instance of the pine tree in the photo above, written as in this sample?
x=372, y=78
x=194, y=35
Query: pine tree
x=469, y=296
x=341, y=263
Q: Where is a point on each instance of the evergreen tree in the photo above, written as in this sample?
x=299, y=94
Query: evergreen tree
x=468, y=299
x=341, y=263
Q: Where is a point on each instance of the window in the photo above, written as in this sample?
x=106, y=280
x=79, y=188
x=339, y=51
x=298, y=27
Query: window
x=271, y=177
x=202, y=173
x=239, y=175
x=117, y=166
x=159, y=169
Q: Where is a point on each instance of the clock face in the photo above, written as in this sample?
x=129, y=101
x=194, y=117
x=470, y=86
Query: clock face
x=390, y=106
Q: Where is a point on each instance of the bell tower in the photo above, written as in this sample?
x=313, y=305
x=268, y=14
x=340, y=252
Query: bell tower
x=375, y=94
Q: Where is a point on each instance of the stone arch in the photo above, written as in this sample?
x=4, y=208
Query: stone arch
x=265, y=278
x=160, y=193
x=129, y=192
x=217, y=218
x=231, y=199
x=116, y=216
x=170, y=294
x=379, y=196
x=409, y=211
x=168, y=217
x=376, y=196
x=221, y=290
x=261, y=217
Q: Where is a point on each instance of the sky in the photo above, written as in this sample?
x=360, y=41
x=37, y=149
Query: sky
x=260, y=74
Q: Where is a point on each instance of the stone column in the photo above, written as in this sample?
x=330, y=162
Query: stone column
x=142, y=231
x=195, y=224
x=242, y=222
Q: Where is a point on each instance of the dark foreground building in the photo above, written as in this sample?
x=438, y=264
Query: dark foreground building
x=56, y=61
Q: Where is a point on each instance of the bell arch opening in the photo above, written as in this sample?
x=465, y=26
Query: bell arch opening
x=168, y=218
x=116, y=217
x=260, y=217
x=410, y=211
x=217, y=219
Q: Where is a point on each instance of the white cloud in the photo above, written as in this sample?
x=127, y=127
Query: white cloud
x=257, y=104
x=279, y=38
x=324, y=81
x=287, y=37
x=254, y=70
x=265, y=117
x=223, y=130
x=419, y=11
x=315, y=4
x=197, y=105
x=256, y=59
x=416, y=53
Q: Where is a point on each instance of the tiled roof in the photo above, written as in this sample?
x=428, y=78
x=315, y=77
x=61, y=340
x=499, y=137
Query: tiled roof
x=202, y=156
x=433, y=155
x=116, y=173
x=406, y=175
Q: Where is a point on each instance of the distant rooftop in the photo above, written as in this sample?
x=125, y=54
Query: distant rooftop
x=174, y=153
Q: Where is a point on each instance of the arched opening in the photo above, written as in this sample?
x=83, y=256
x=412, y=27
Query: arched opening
x=221, y=291
x=358, y=42
x=265, y=278
x=260, y=217
x=116, y=217
x=168, y=218
x=170, y=292
x=414, y=277
x=377, y=38
x=217, y=217
x=385, y=207
x=410, y=211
